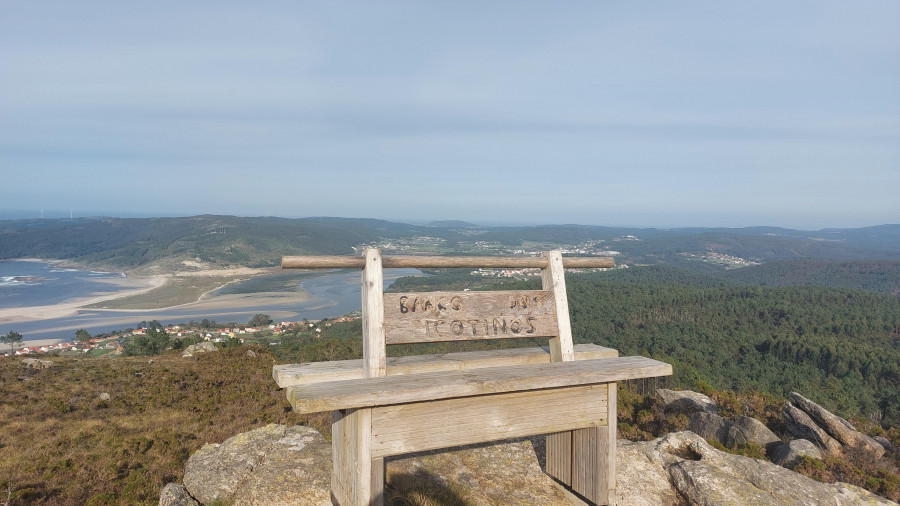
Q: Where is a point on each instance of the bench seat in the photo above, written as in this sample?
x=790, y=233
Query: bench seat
x=430, y=386
x=287, y=375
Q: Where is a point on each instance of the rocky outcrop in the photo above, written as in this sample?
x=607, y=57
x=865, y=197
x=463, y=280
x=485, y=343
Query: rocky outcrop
x=746, y=429
x=36, y=363
x=684, y=401
x=886, y=444
x=174, y=494
x=837, y=427
x=703, y=475
x=292, y=465
x=271, y=465
x=800, y=425
x=194, y=349
x=733, y=432
x=789, y=454
x=709, y=426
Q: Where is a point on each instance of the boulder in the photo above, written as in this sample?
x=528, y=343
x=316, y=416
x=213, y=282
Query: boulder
x=36, y=363
x=732, y=432
x=788, y=454
x=194, y=349
x=104, y=396
x=709, y=426
x=271, y=465
x=174, y=494
x=700, y=474
x=837, y=427
x=800, y=425
x=746, y=429
x=684, y=401
x=886, y=443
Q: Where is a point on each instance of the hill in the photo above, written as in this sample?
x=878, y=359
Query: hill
x=148, y=245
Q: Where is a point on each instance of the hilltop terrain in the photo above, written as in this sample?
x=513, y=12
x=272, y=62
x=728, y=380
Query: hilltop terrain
x=164, y=245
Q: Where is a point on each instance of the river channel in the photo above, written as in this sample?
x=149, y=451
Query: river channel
x=331, y=294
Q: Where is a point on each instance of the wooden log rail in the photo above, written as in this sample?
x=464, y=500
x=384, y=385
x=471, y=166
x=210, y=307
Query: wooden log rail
x=417, y=262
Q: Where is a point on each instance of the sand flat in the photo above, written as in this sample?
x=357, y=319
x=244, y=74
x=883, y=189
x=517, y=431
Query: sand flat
x=70, y=307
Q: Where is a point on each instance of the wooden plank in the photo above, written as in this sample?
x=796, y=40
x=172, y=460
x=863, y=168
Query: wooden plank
x=363, y=455
x=408, y=428
x=353, y=478
x=586, y=461
x=342, y=483
x=553, y=279
x=395, y=262
x=609, y=494
x=461, y=316
x=559, y=456
x=373, y=315
x=446, y=384
x=317, y=372
x=377, y=482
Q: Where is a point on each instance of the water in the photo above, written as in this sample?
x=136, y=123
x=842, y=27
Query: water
x=332, y=294
x=40, y=283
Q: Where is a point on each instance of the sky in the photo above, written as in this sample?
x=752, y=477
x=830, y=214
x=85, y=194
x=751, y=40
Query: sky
x=652, y=114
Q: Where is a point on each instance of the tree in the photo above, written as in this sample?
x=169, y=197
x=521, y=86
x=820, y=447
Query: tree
x=260, y=320
x=13, y=339
x=155, y=342
x=83, y=335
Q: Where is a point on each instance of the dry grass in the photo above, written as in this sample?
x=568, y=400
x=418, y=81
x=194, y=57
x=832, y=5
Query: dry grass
x=61, y=444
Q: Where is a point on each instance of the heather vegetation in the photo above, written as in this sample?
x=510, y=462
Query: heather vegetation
x=64, y=443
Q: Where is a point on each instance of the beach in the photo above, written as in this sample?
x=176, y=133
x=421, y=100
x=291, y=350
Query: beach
x=133, y=286
x=191, y=291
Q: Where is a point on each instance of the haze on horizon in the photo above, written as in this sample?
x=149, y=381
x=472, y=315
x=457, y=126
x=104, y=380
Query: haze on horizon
x=671, y=115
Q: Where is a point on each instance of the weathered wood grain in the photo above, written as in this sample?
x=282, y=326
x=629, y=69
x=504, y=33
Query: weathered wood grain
x=466, y=316
x=553, y=279
x=415, y=262
x=559, y=459
x=373, y=315
x=305, y=373
x=490, y=380
x=407, y=428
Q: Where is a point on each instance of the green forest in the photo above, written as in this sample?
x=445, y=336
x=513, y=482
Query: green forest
x=840, y=347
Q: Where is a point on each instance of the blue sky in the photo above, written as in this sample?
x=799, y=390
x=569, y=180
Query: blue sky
x=662, y=114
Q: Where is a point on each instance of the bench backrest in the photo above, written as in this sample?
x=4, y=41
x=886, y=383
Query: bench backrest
x=398, y=318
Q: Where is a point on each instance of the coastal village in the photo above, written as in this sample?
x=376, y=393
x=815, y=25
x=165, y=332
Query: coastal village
x=113, y=344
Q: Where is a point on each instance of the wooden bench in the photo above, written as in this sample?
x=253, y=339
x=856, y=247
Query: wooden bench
x=389, y=406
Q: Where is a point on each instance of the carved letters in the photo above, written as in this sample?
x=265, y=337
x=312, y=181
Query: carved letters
x=450, y=316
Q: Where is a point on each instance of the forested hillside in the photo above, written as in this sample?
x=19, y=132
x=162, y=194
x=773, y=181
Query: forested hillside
x=135, y=243
x=840, y=346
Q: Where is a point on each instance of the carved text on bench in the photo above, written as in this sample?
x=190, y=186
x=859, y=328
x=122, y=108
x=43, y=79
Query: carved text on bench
x=451, y=316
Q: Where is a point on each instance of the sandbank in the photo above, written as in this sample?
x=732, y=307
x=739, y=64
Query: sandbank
x=70, y=307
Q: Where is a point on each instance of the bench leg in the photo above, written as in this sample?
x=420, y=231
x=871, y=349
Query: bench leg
x=356, y=478
x=585, y=459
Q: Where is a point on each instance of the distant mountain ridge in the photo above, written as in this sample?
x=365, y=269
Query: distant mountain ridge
x=142, y=244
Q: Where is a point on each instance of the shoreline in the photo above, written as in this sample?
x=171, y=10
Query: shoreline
x=139, y=287
x=70, y=307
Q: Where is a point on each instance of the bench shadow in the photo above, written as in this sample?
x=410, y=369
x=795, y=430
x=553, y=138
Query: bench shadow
x=420, y=487
x=423, y=487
